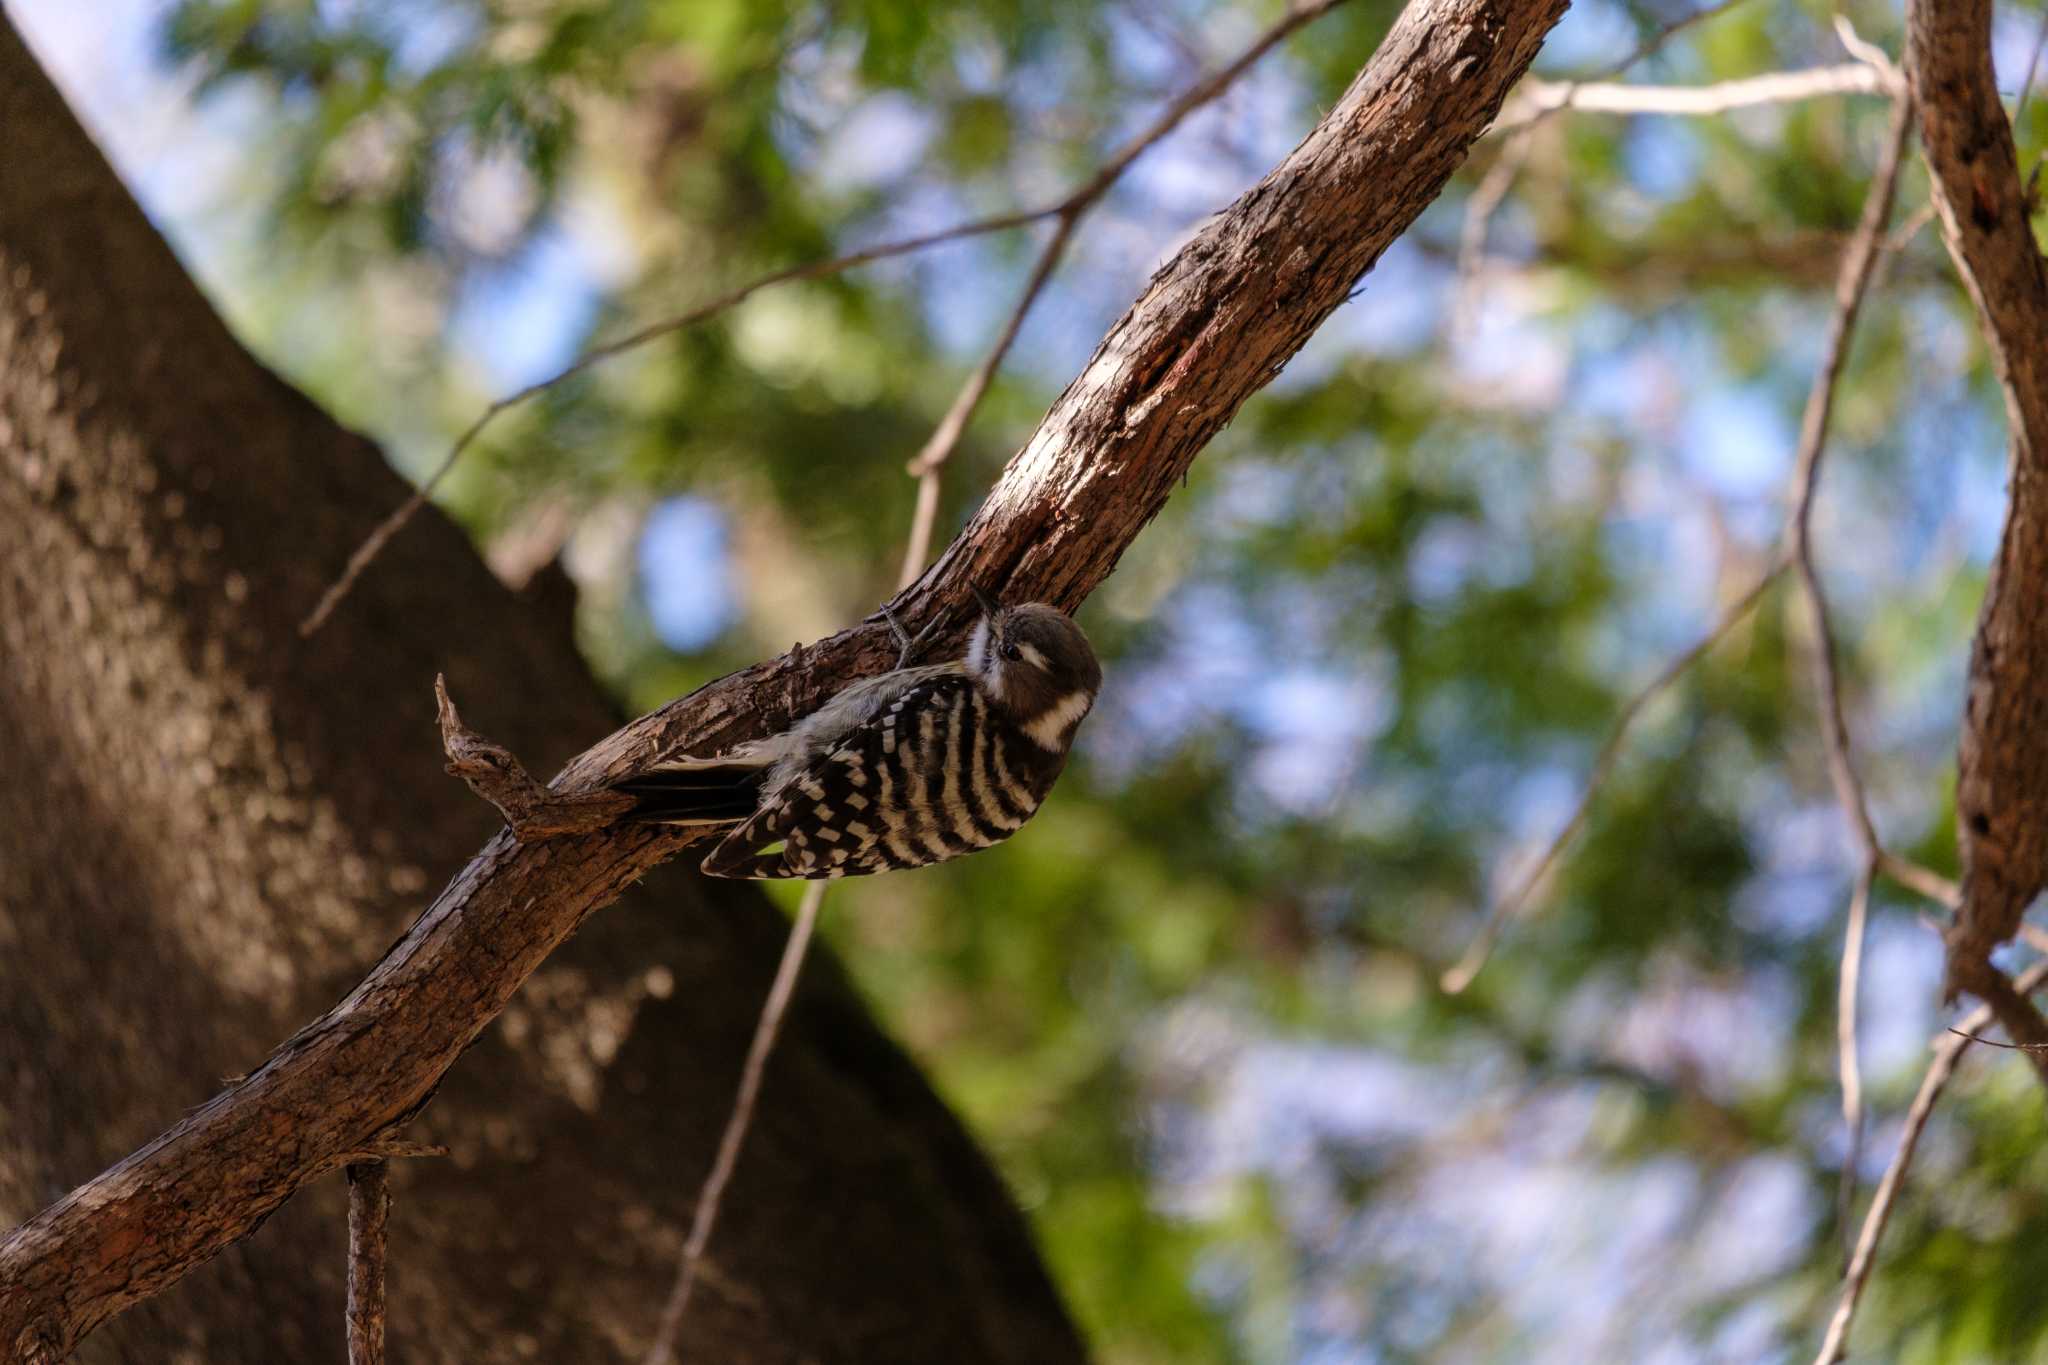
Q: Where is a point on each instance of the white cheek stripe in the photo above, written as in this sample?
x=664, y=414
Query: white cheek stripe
x=979, y=665
x=1047, y=730
x=1031, y=655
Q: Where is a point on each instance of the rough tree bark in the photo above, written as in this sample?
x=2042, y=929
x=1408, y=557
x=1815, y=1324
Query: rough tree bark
x=208, y=830
x=1210, y=329
x=2002, y=781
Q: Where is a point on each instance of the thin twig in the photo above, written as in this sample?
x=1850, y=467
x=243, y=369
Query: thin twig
x=1922, y=881
x=1869, y=53
x=1850, y=288
x=2019, y=111
x=1947, y=1050
x=1458, y=977
x=946, y=438
x=1993, y=1042
x=1082, y=196
x=1848, y=997
x=369, y=1213
x=736, y=1125
x=1485, y=201
x=1858, y=266
x=813, y=270
x=1535, y=100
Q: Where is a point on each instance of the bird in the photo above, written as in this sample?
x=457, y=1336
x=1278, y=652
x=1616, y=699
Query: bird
x=911, y=767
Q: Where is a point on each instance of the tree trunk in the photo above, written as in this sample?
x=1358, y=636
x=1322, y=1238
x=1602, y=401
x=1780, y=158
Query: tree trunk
x=213, y=828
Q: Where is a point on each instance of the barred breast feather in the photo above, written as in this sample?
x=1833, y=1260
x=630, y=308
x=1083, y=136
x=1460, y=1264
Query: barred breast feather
x=934, y=773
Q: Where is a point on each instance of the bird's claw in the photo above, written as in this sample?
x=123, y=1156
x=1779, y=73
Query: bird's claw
x=907, y=645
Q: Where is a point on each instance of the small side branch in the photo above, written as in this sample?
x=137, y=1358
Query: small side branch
x=492, y=772
x=1537, y=99
x=1506, y=909
x=1848, y=1063
x=369, y=1213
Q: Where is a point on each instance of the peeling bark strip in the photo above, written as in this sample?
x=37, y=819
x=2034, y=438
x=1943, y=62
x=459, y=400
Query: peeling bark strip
x=1211, y=328
x=2002, y=787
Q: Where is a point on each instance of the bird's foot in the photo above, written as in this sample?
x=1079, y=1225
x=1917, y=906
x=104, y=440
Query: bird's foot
x=908, y=645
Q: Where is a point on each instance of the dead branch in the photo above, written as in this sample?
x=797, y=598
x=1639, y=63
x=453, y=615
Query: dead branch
x=1211, y=328
x=1505, y=910
x=1537, y=99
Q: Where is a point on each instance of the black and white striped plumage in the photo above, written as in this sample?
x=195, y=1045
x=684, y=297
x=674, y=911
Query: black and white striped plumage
x=912, y=767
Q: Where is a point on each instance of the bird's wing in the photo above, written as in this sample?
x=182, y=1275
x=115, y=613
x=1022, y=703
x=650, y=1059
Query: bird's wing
x=697, y=791
x=825, y=818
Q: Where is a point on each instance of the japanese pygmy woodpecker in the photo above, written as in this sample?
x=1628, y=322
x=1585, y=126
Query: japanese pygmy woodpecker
x=910, y=767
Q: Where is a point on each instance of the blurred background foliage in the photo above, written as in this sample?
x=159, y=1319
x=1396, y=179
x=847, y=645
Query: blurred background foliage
x=1359, y=669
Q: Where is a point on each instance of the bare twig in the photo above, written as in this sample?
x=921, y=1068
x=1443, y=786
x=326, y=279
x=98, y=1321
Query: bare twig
x=1850, y=288
x=375, y=542
x=1849, y=992
x=492, y=772
x=1947, y=1050
x=387, y=1148
x=1458, y=977
x=1868, y=53
x=369, y=1211
x=945, y=439
x=1535, y=100
x=1500, y=177
x=765, y=1032
x=2019, y=111
x=1067, y=208
x=1486, y=200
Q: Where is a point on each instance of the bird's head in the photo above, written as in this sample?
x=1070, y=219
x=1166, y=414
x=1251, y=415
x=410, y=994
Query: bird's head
x=1034, y=662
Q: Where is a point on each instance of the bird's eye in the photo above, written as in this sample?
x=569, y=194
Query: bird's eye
x=1012, y=653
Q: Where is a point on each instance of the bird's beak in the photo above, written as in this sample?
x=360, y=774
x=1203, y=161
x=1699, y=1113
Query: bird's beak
x=989, y=605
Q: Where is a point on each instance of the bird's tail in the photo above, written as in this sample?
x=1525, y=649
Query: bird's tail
x=697, y=791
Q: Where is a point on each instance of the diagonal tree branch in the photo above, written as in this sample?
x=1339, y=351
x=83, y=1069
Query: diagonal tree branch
x=1210, y=329
x=2002, y=779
